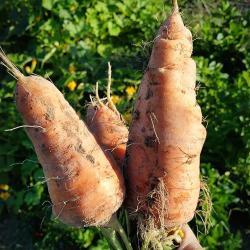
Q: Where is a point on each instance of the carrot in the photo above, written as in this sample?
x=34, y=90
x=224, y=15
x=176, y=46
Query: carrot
x=85, y=185
x=107, y=125
x=166, y=134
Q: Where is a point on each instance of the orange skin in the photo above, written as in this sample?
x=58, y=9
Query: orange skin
x=85, y=185
x=166, y=134
x=109, y=130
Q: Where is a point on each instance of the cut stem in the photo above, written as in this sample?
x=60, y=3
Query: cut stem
x=115, y=224
x=145, y=245
x=110, y=236
x=175, y=6
x=13, y=70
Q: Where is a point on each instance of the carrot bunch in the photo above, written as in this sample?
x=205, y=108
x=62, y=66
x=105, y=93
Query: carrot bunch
x=82, y=163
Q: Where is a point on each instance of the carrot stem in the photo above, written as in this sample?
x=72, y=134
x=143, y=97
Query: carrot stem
x=12, y=69
x=115, y=224
x=144, y=245
x=110, y=236
x=175, y=6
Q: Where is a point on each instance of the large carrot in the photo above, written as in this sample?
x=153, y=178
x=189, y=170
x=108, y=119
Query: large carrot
x=85, y=185
x=107, y=125
x=166, y=135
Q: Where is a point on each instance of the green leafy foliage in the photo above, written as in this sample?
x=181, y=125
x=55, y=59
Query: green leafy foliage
x=223, y=194
x=71, y=42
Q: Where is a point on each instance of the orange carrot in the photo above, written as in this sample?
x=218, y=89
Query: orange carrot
x=85, y=186
x=166, y=135
x=107, y=125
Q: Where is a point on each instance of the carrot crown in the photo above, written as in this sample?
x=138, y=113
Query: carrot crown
x=175, y=6
x=12, y=69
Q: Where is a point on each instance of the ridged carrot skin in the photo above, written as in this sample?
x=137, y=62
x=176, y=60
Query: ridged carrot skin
x=166, y=135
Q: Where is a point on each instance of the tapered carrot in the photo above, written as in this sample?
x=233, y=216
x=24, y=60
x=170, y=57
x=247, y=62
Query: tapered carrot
x=107, y=125
x=85, y=185
x=166, y=135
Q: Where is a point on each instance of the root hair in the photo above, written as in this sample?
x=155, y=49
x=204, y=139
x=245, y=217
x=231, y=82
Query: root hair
x=99, y=102
x=153, y=231
x=205, y=206
x=25, y=126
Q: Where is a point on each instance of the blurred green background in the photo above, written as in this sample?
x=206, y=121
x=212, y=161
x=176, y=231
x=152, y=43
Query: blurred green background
x=70, y=42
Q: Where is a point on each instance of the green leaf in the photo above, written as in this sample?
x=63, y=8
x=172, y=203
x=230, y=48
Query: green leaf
x=48, y=56
x=101, y=49
x=33, y=196
x=15, y=202
x=47, y=4
x=28, y=167
x=113, y=29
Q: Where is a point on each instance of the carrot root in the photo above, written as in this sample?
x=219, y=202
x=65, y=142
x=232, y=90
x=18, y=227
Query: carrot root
x=106, y=123
x=68, y=153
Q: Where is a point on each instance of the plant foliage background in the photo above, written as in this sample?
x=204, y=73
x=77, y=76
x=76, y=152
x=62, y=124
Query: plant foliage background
x=71, y=42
